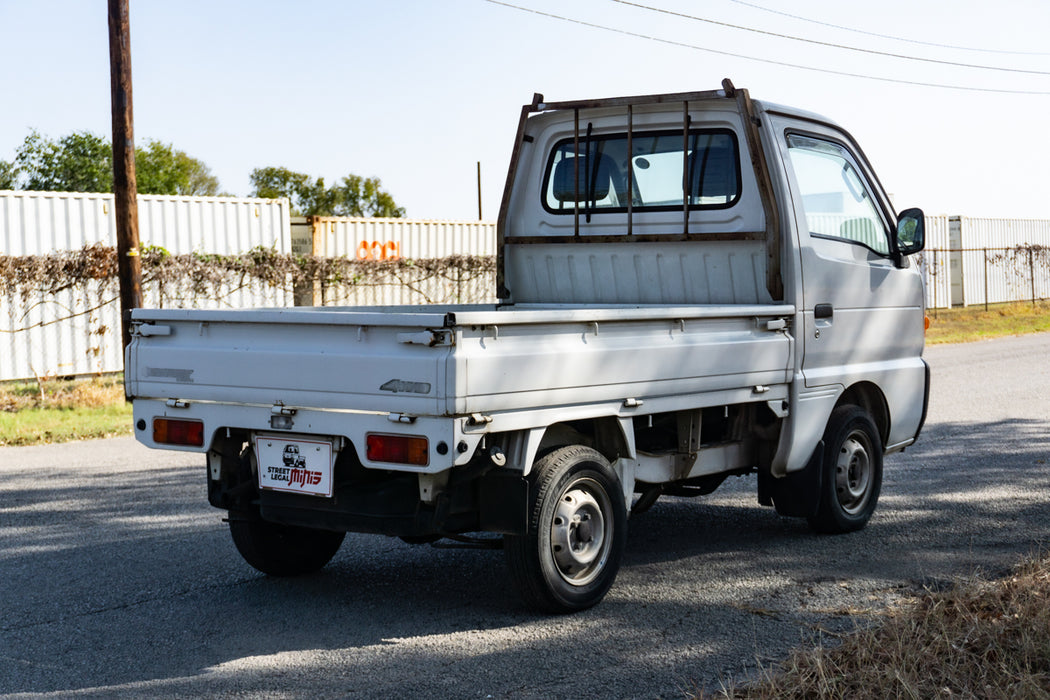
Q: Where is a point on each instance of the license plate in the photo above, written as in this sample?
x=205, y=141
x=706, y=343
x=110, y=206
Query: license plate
x=294, y=466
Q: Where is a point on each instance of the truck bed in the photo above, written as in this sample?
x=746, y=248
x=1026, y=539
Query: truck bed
x=455, y=360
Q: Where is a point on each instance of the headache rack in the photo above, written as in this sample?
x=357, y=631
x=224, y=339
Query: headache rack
x=771, y=235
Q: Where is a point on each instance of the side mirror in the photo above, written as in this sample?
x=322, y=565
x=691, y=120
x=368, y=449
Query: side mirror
x=911, y=231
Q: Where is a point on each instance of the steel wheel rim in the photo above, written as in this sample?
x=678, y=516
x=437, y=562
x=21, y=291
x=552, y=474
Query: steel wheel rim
x=581, y=532
x=853, y=472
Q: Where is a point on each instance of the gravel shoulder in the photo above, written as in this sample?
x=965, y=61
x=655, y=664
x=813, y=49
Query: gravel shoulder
x=120, y=581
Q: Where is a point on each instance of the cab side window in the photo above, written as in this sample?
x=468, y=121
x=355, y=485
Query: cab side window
x=835, y=197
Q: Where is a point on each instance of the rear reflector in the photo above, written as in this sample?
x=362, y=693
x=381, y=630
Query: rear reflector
x=177, y=431
x=397, y=449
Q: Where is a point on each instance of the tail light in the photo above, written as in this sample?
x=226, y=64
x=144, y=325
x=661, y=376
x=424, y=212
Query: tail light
x=397, y=449
x=178, y=431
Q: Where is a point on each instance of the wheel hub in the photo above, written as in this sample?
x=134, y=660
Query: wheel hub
x=578, y=536
x=853, y=474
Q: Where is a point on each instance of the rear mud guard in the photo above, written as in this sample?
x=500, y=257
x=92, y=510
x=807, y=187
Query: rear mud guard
x=796, y=495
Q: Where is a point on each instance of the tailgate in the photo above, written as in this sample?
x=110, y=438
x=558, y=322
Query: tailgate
x=310, y=358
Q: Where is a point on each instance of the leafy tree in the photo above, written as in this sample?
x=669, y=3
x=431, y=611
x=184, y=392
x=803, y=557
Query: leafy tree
x=7, y=175
x=363, y=197
x=273, y=183
x=83, y=162
x=160, y=169
x=354, y=196
x=79, y=162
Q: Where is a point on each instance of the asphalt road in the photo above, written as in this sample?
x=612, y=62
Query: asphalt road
x=118, y=580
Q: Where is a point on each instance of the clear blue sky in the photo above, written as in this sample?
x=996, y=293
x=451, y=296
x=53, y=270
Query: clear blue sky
x=417, y=91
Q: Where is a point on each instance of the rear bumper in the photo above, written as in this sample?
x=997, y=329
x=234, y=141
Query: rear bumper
x=218, y=418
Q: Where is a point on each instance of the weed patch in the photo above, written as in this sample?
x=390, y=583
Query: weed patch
x=971, y=323
x=980, y=639
x=56, y=410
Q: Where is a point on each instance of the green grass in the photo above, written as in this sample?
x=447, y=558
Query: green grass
x=34, y=426
x=971, y=323
x=58, y=410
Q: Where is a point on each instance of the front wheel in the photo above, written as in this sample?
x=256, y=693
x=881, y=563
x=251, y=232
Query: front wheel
x=577, y=531
x=852, y=472
x=283, y=550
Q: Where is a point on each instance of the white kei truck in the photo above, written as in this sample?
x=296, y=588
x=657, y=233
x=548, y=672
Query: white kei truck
x=691, y=286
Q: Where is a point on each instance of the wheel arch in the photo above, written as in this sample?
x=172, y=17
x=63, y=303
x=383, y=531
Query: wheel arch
x=606, y=434
x=869, y=397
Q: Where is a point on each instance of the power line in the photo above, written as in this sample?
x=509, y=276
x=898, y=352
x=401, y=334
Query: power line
x=817, y=42
x=889, y=36
x=785, y=64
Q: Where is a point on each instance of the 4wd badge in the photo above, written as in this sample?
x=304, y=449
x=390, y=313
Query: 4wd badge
x=400, y=385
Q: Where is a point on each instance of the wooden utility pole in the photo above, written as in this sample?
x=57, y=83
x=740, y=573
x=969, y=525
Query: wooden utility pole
x=479, y=190
x=125, y=185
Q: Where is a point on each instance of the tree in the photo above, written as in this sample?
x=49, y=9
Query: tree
x=163, y=170
x=273, y=183
x=83, y=162
x=355, y=196
x=7, y=175
x=363, y=197
x=79, y=162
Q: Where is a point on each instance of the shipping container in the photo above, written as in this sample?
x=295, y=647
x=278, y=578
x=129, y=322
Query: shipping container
x=386, y=239
x=374, y=239
x=934, y=262
x=1000, y=260
x=76, y=331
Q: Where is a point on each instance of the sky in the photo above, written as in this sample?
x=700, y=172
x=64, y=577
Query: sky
x=418, y=92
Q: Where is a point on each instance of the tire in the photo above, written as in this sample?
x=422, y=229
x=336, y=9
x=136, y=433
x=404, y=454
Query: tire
x=576, y=535
x=283, y=550
x=852, y=472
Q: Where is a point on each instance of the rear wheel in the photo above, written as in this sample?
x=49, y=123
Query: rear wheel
x=283, y=550
x=852, y=472
x=570, y=556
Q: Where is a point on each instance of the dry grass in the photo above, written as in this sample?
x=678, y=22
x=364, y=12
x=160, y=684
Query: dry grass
x=58, y=410
x=94, y=392
x=981, y=639
x=967, y=324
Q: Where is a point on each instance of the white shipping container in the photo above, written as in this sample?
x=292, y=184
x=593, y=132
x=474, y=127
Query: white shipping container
x=77, y=331
x=222, y=225
x=994, y=263
x=386, y=239
x=934, y=262
x=34, y=223
x=392, y=239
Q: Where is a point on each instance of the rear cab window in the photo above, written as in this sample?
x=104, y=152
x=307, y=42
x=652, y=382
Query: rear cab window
x=664, y=170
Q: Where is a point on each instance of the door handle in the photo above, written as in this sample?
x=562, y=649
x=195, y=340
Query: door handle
x=823, y=311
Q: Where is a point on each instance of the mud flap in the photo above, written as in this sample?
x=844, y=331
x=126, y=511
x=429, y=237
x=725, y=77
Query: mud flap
x=796, y=495
x=925, y=400
x=504, y=502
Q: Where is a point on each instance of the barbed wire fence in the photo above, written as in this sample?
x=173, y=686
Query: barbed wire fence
x=59, y=312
